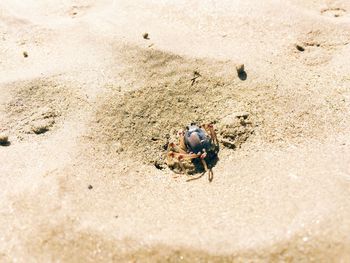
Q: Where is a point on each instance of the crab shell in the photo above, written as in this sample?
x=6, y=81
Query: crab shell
x=197, y=144
x=196, y=140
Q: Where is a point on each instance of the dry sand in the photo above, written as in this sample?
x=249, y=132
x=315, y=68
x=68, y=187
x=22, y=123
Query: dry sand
x=88, y=104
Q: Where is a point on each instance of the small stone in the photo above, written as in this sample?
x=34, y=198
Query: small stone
x=90, y=187
x=240, y=68
x=4, y=138
x=300, y=48
x=42, y=126
x=145, y=35
x=39, y=129
x=241, y=72
x=25, y=54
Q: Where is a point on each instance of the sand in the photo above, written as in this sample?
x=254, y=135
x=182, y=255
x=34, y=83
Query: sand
x=91, y=92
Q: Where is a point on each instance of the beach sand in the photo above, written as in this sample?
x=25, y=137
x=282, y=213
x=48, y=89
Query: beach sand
x=88, y=100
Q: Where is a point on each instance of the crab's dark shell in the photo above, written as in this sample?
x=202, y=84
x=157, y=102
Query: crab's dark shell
x=197, y=140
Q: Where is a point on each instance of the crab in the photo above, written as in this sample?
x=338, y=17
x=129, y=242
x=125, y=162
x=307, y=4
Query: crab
x=195, y=143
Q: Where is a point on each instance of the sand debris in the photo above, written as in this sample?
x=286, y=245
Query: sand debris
x=37, y=106
x=42, y=126
x=235, y=129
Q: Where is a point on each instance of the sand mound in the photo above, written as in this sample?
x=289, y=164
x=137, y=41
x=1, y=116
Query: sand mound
x=175, y=91
x=36, y=106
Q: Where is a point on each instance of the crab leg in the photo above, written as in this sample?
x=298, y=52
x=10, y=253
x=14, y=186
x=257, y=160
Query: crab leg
x=206, y=170
x=213, y=134
x=210, y=172
x=180, y=156
x=181, y=148
x=209, y=128
x=191, y=178
x=183, y=167
x=176, y=148
x=182, y=143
